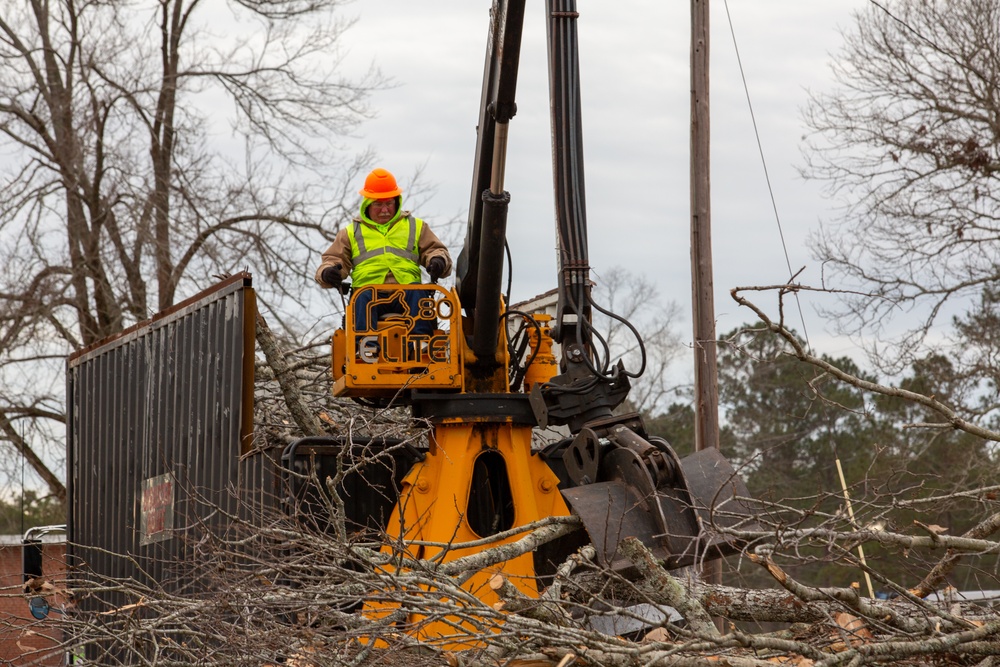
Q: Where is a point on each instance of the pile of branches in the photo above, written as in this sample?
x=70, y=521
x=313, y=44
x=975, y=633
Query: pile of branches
x=281, y=590
x=284, y=589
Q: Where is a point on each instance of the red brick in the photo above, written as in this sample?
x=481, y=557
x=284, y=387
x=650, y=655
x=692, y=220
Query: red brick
x=24, y=640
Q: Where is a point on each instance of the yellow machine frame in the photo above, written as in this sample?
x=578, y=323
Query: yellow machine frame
x=433, y=513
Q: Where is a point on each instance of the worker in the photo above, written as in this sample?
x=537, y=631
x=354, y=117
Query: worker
x=384, y=245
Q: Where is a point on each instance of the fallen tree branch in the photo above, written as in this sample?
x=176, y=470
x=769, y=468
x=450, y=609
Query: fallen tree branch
x=505, y=552
x=848, y=597
x=666, y=585
x=515, y=602
x=297, y=407
x=937, y=576
x=884, y=537
x=800, y=352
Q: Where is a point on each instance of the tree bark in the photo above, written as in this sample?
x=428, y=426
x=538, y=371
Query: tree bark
x=297, y=407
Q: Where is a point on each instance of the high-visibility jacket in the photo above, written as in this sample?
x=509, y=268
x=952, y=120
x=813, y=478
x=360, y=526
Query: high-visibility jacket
x=375, y=252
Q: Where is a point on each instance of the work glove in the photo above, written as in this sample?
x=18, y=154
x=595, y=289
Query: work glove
x=435, y=267
x=331, y=276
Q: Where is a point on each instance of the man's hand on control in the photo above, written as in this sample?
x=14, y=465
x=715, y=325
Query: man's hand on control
x=435, y=268
x=331, y=276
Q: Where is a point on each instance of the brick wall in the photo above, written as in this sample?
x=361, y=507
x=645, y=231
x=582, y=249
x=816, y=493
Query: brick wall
x=24, y=640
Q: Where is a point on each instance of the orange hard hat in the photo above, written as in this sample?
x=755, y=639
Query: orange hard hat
x=380, y=184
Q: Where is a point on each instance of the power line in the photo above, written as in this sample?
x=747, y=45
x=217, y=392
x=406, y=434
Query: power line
x=767, y=177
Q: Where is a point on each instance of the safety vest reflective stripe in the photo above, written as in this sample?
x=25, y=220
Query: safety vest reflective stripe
x=382, y=251
x=364, y=253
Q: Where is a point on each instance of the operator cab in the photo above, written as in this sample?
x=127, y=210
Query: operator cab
x=378, y=354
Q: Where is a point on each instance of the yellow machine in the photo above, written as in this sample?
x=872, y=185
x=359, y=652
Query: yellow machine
x=485, y=391
x=479, y=476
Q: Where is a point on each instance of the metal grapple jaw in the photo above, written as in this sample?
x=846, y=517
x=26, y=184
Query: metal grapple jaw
x=627, y=485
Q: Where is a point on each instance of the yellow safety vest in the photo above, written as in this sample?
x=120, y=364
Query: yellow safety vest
x=375, y=253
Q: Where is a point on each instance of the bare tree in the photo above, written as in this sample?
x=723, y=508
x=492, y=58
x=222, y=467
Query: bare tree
x=149, y=147
x=909, y=139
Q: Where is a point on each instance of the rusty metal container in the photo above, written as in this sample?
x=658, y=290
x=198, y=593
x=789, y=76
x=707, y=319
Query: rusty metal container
x=159, y=428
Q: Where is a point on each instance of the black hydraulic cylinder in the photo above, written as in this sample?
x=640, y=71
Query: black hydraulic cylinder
x=486, y=320
x=567, y=157
x=496, y=106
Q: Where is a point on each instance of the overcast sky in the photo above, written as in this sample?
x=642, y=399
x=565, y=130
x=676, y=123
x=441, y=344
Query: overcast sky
x=635, y=83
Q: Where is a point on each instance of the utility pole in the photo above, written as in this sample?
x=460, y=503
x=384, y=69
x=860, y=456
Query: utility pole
x=703, y=301
x=706, y=386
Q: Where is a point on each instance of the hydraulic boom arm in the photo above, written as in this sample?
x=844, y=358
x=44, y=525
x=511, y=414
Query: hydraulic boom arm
x=480, y=264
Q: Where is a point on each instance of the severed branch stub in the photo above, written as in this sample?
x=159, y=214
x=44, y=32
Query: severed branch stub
x=514, y=601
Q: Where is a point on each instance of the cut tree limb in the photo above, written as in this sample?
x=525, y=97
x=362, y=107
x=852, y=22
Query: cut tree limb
x=297, y=407
x=938, y=575
x=673, y=593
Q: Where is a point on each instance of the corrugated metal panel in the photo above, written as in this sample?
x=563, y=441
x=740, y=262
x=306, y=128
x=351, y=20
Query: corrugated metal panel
x=159, y=430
